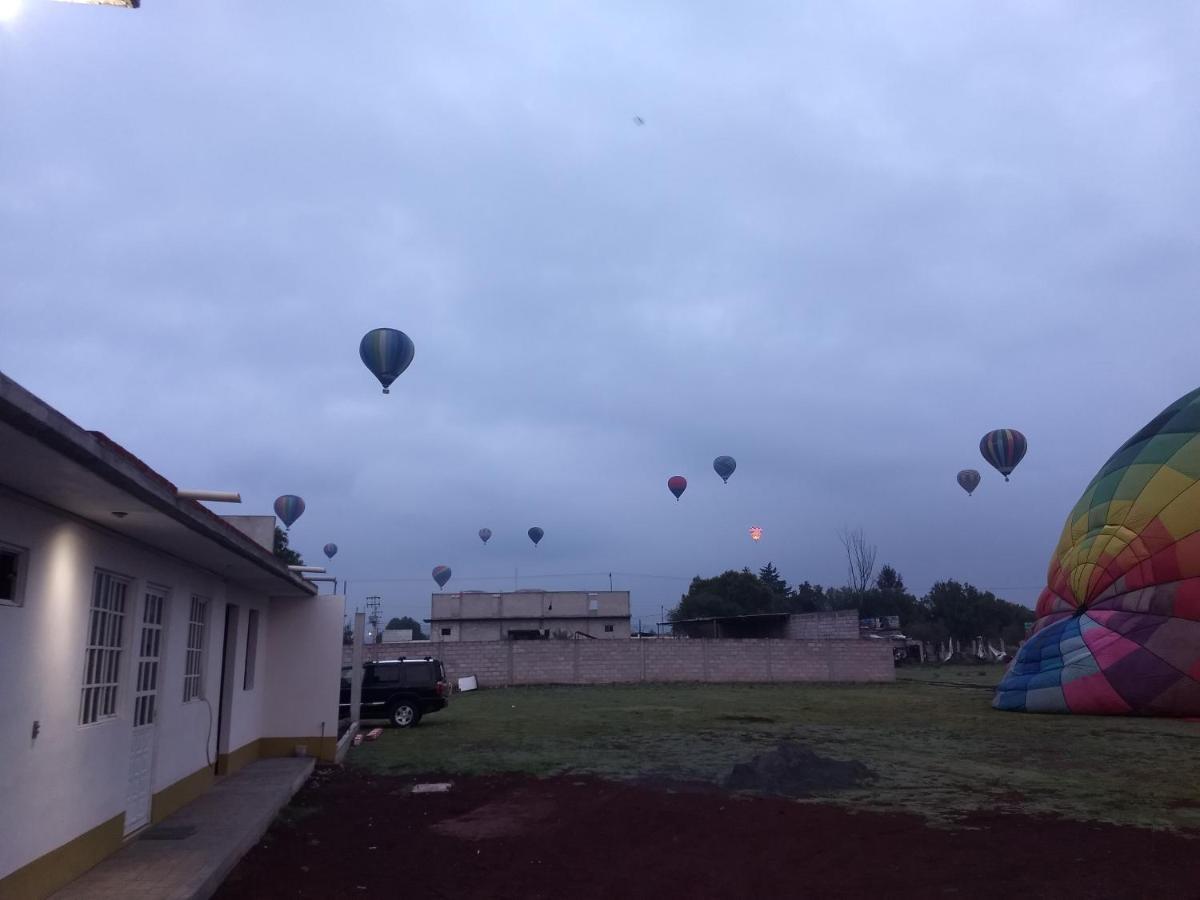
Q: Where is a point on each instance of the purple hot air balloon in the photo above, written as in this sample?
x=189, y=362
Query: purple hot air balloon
x=968, y=480
x=485, y=534
x=289, y=508
x=535, y=534
x=330, y=550
x=441, y=574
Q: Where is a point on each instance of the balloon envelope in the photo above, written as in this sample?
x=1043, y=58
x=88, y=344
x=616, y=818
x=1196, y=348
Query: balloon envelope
x=677, y=484
x=387, y=353
x=330, y=550
x=1003, y=449
x=1118, y=623
x=724, y=466
x=968, y=480
x=536, y=534
x=441, y=574
x=485, y=534
x=289, y=508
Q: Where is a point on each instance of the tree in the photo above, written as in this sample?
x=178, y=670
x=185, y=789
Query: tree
x=729, y=594
x=408, y=622
x=964, y=612
x=769, y=576
x=282, y=551
x=860, y=558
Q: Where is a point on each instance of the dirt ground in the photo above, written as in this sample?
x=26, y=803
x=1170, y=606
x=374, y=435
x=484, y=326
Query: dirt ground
x=351, y=833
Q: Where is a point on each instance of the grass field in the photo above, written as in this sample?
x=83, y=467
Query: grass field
x=936, y=747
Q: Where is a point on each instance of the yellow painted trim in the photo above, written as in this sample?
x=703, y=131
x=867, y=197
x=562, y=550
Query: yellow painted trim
x=324, y=749
x=61, y=866
x=228, y=763
x=181, y=793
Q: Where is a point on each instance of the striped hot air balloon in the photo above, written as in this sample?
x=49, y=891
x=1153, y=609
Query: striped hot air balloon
x=1003, y=449
x=1118, y=624
x=441, y=574
x=289, y=508
x=387, y=353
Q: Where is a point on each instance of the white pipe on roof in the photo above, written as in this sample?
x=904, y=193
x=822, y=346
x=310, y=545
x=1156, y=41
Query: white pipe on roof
x=306, y=568
x=212, y=496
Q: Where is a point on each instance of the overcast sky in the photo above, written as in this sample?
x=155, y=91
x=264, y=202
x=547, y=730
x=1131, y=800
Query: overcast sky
x=849, y=239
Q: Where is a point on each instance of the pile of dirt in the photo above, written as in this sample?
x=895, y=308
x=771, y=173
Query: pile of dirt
x=793, y=770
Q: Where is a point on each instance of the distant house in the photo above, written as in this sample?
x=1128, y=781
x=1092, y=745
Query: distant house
x=146, y=646
x=529, y=615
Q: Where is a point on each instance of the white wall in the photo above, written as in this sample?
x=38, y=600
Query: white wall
x=304, y=653
x=72, y=777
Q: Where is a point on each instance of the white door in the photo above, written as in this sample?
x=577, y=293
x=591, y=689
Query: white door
x=145, y=703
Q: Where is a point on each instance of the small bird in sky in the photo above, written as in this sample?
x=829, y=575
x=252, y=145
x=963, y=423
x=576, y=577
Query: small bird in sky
x=638, y=120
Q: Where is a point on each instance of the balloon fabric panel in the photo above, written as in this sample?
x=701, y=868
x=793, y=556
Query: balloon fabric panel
x=1125, y=577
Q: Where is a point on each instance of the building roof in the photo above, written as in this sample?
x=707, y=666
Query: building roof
x=50, y=459
x=719, y=619
x=524, y=617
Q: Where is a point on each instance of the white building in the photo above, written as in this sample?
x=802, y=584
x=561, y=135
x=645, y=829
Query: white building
x=146, y=645
x=529, y=615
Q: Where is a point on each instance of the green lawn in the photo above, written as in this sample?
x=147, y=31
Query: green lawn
x=936, y=747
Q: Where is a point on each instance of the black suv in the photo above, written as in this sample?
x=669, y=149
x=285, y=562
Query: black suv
x=399, y=690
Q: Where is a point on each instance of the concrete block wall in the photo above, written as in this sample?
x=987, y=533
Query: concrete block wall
x=841, y=624
x=504, y=663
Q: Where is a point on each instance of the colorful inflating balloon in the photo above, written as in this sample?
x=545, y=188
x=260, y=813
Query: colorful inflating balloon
x=387, y=353
x=1118, y=624
x=968, y=480
x=755, y=533
x=1003, y=449
x=535, y=534
x=330, y=550
x=724, y=466
x=441, y=574
x=485, y=534
x=677, y=484
x=289, y=508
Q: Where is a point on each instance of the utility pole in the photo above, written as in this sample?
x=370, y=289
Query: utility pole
x=610, y=582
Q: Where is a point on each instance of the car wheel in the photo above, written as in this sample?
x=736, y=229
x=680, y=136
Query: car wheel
x=404, y=714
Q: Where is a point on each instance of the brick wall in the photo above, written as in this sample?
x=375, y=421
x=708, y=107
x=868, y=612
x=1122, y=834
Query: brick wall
x=839, y=625
x=503, y=663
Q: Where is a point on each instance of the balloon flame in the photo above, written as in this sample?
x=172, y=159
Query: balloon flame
x=755, y=533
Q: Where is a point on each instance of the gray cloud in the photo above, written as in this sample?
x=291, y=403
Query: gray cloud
x=846, y=242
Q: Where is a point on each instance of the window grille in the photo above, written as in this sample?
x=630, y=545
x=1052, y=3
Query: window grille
x=102, y=659
x=193, y=673
x=149, y=650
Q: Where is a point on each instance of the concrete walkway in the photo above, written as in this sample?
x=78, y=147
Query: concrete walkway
x=189, y=853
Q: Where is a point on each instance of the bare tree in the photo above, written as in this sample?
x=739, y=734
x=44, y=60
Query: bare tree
x=860, y=558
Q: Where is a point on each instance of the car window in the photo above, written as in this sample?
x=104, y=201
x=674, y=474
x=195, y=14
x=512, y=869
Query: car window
x=418, y=673
x=346, y=678
x=388, y=674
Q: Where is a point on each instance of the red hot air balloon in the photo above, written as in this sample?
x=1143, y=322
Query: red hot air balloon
x=677, y=484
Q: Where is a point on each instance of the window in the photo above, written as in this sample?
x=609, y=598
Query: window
x=12, y=568
x=608, y=628
x=387, y=674
x=593, y=604
x=102, y=659
x=446, y=631
x=251, y=650
x=193, y=673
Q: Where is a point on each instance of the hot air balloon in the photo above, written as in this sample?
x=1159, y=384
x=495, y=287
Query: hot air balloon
x=387, y=353
x=535, y=534
x=289, y=508
x=1003, y=449
x=485, y=534
x=677, y=484
x=968, y=480
x=724, y=466
x=755, y=533
x=330, y=550
x=1118, y=624
x=441, y=574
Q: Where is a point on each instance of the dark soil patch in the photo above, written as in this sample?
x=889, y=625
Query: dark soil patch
x=762, y=719
x=509, y=837
x=793, y=770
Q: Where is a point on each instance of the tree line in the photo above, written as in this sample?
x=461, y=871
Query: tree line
x=951, y=609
